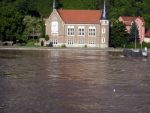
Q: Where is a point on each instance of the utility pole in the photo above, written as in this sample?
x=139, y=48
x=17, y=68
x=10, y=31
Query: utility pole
x=135, y=39
x=33, y=33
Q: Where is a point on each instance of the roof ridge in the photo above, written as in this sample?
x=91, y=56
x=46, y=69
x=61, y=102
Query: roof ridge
x=78, y=10
x=80, y=16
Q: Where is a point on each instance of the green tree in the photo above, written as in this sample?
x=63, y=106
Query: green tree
x=134, y=33
x=32, y=26
x=118, y=34
x=10, y=23
x=42, y=29
x=27, y=7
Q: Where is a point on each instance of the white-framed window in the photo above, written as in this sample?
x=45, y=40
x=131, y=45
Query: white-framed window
x=81, y=30
x=91, y=42
x=103, y=30
x=70, y=42
x=103, y=40
x=81, y=41
x=55, y=42
x=70, y=31
x=104, y=22
x=54, y=27
x=92, y=31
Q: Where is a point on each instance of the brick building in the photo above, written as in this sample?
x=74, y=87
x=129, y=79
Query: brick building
x=147, y=36
x=78, y=28
x=128, y=20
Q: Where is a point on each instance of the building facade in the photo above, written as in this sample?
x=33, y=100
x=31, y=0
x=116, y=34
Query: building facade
x=128, y=20
x=147, y=36
x=78, y=28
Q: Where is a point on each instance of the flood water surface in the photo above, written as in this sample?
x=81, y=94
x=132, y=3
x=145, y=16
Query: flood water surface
x=73, y=81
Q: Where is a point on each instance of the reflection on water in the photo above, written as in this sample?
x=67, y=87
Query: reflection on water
x=74, y=81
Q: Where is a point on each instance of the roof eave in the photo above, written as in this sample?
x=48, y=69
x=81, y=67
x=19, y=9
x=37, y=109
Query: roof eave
x=81, y=22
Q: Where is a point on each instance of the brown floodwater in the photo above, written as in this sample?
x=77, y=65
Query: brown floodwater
x=73, y=81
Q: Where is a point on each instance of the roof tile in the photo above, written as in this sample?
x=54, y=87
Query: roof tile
x=80, y=16
x=147, y=33
x=128, y=19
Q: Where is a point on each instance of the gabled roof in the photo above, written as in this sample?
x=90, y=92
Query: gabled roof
x=128, y=19
x=80, y=16
x=141, y=18
x=147, y=33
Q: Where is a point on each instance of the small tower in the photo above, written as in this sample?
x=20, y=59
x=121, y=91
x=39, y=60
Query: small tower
x=104, y=30
x=54, y=4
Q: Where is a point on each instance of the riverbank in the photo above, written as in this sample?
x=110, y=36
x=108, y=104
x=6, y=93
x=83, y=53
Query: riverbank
x=57, y=48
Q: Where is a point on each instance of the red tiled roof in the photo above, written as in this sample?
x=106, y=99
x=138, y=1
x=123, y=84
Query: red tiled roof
x=147, y=33
x=128, y=19
x=141, y=19
x=127, y=23
x=80, y=16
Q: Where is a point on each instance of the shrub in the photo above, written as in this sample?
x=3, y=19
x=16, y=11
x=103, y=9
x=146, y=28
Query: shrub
x=85, y=46
x=31, y=43
x=46, y=37
x=63, y=46
x=138, y=45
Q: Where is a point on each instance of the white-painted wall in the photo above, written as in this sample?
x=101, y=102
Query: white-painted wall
x=147, y=39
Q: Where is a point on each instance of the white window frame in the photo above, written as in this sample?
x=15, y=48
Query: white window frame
x=103, y=40
x=103, y=30
x=81, y=41
x=55, y=42
x=92, y=42
x=70, y=42
x=70, y=31
x=54, y=27
x=104, y=22
x=81, y=31
x=92, y=31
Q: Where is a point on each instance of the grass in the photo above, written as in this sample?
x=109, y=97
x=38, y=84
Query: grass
x=31, y=43
x=132, y=45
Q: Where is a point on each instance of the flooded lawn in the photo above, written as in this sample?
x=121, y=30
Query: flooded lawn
x=77, y=81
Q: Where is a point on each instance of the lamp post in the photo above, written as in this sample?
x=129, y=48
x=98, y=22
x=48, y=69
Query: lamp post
x=135, y=39
x=141, y=45
x=33, y=33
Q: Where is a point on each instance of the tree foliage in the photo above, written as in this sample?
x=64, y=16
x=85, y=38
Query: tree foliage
x=11, y=26
x=130, y=8
x=134, y=33
x=119, y=36
x=31, y=23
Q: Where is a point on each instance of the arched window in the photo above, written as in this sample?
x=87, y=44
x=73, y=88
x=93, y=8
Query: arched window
x=103, y=40
x=54, y=27
x=70, y=42
x=92, y=31
x=103, y=30
x=70, y=31
x=81, y=30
